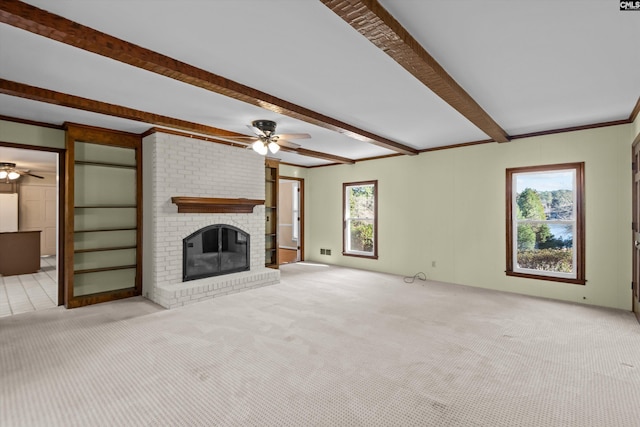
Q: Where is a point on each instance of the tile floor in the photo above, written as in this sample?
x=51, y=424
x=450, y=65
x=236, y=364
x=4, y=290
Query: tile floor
x=30, y=292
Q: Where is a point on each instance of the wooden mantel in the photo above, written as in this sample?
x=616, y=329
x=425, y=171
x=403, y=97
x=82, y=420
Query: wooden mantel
x=214, y=205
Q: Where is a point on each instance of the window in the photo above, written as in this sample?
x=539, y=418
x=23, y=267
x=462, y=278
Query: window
x=545, y=222
x=360, y=212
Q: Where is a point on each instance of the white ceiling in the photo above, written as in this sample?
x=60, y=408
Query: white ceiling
x=531, y=65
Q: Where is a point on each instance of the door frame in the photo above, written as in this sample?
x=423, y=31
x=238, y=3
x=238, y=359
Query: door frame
x=60, y=256
x=635, y=228
x=301, y=204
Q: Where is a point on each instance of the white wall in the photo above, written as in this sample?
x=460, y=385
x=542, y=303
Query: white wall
x=48, y=178
x=449, y=207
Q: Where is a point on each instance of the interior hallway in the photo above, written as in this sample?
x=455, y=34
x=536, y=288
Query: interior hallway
x=30, y=292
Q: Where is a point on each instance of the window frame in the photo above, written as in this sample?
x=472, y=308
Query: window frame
x=345, y=220
x=579, y=235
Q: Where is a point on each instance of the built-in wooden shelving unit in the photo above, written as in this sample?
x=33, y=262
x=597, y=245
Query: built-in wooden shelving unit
x=271, y=172
x=103, y=226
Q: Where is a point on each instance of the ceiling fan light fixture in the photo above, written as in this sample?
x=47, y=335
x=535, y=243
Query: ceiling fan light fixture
x=260, y=147
x=9, y=172
x=268, y=127
x=273, y=147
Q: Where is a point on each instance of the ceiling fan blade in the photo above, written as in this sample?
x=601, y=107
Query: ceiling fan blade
x=284, y=143
x=257, y=131
x=294, y=135
x=30, y=174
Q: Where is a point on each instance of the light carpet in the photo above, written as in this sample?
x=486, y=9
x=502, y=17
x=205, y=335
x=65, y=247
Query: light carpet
x=328, y=346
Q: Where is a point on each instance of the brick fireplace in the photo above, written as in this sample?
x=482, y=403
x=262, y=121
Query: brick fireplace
x=195, y=169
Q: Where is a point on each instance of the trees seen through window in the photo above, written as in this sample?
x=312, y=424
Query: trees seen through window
x=545, y=222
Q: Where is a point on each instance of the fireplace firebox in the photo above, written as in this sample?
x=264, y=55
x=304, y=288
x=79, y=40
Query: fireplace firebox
x=215, y=250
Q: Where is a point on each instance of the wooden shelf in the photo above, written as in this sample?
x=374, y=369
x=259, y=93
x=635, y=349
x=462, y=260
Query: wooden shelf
x=115, y=248
x=214, y=205
x=97, y=270
x=106, y=207
x=104, y=164
x=96, y=230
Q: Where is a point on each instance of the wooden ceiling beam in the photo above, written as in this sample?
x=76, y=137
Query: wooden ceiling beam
x=8, y=87
x=55, y=27
x=373, y=21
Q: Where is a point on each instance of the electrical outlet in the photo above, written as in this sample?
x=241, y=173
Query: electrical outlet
x=323, y=251
x=328, y=251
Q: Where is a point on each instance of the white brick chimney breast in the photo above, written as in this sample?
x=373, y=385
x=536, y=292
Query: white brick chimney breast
x=176, y=165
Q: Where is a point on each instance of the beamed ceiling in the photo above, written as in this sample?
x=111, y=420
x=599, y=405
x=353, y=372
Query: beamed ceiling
x=365, y=79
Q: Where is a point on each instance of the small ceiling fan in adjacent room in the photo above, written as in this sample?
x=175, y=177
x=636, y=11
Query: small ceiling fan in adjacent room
x=266, y=138
x=9, y=172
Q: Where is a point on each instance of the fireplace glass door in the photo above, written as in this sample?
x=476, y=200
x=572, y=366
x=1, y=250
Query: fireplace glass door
x=215, y=250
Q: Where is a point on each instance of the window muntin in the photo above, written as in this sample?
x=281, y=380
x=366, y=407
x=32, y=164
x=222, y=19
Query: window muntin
x=545, y=232
x=360, y=219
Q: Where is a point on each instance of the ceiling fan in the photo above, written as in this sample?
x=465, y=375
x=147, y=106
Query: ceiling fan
x=9, y=172
x=266, y=138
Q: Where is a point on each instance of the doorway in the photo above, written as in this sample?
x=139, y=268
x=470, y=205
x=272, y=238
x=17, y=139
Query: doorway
x=636, y=230
x=290, y=220
x=37, y=206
